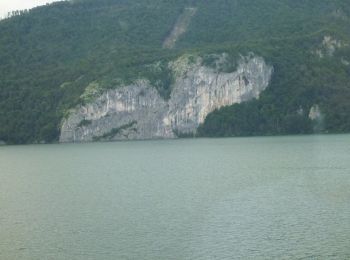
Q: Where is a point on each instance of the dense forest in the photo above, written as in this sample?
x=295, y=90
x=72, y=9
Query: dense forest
x=50, y=54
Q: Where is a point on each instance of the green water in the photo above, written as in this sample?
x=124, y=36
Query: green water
x=240, y=198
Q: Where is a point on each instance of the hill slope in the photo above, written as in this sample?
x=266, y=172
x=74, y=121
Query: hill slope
x=50, y=55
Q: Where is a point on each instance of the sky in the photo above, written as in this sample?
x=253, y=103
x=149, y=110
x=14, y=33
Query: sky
x=11, y=5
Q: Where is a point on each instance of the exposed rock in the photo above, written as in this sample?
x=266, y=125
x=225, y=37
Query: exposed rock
x=115, y=108
x=138, y=111
x=317, y=118
x=328, y=47
x=180, y=27
x=331, y=44
x=315, y=113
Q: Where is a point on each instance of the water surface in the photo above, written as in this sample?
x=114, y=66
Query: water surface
x=240, y=198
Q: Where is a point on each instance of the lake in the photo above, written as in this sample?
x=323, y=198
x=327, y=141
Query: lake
x=236, y=198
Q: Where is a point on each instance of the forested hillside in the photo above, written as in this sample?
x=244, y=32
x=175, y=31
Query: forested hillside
x=51, y=54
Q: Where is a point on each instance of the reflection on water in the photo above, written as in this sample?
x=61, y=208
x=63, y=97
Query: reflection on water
x=261, y=198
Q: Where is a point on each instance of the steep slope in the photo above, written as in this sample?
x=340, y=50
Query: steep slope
x=51, y=56
x=138, y=111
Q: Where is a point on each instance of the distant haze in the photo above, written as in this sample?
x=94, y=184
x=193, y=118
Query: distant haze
x=12, y=5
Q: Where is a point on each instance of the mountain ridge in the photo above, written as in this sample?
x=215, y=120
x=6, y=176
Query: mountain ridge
x=50, y=55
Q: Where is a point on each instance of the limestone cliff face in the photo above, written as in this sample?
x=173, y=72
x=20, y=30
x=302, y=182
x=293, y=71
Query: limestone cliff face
x=137, y=111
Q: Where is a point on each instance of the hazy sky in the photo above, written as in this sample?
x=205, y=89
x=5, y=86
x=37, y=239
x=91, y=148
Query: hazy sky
x=11, y=5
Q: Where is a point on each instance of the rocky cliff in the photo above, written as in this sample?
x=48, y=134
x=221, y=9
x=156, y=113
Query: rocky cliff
x=137, y=111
